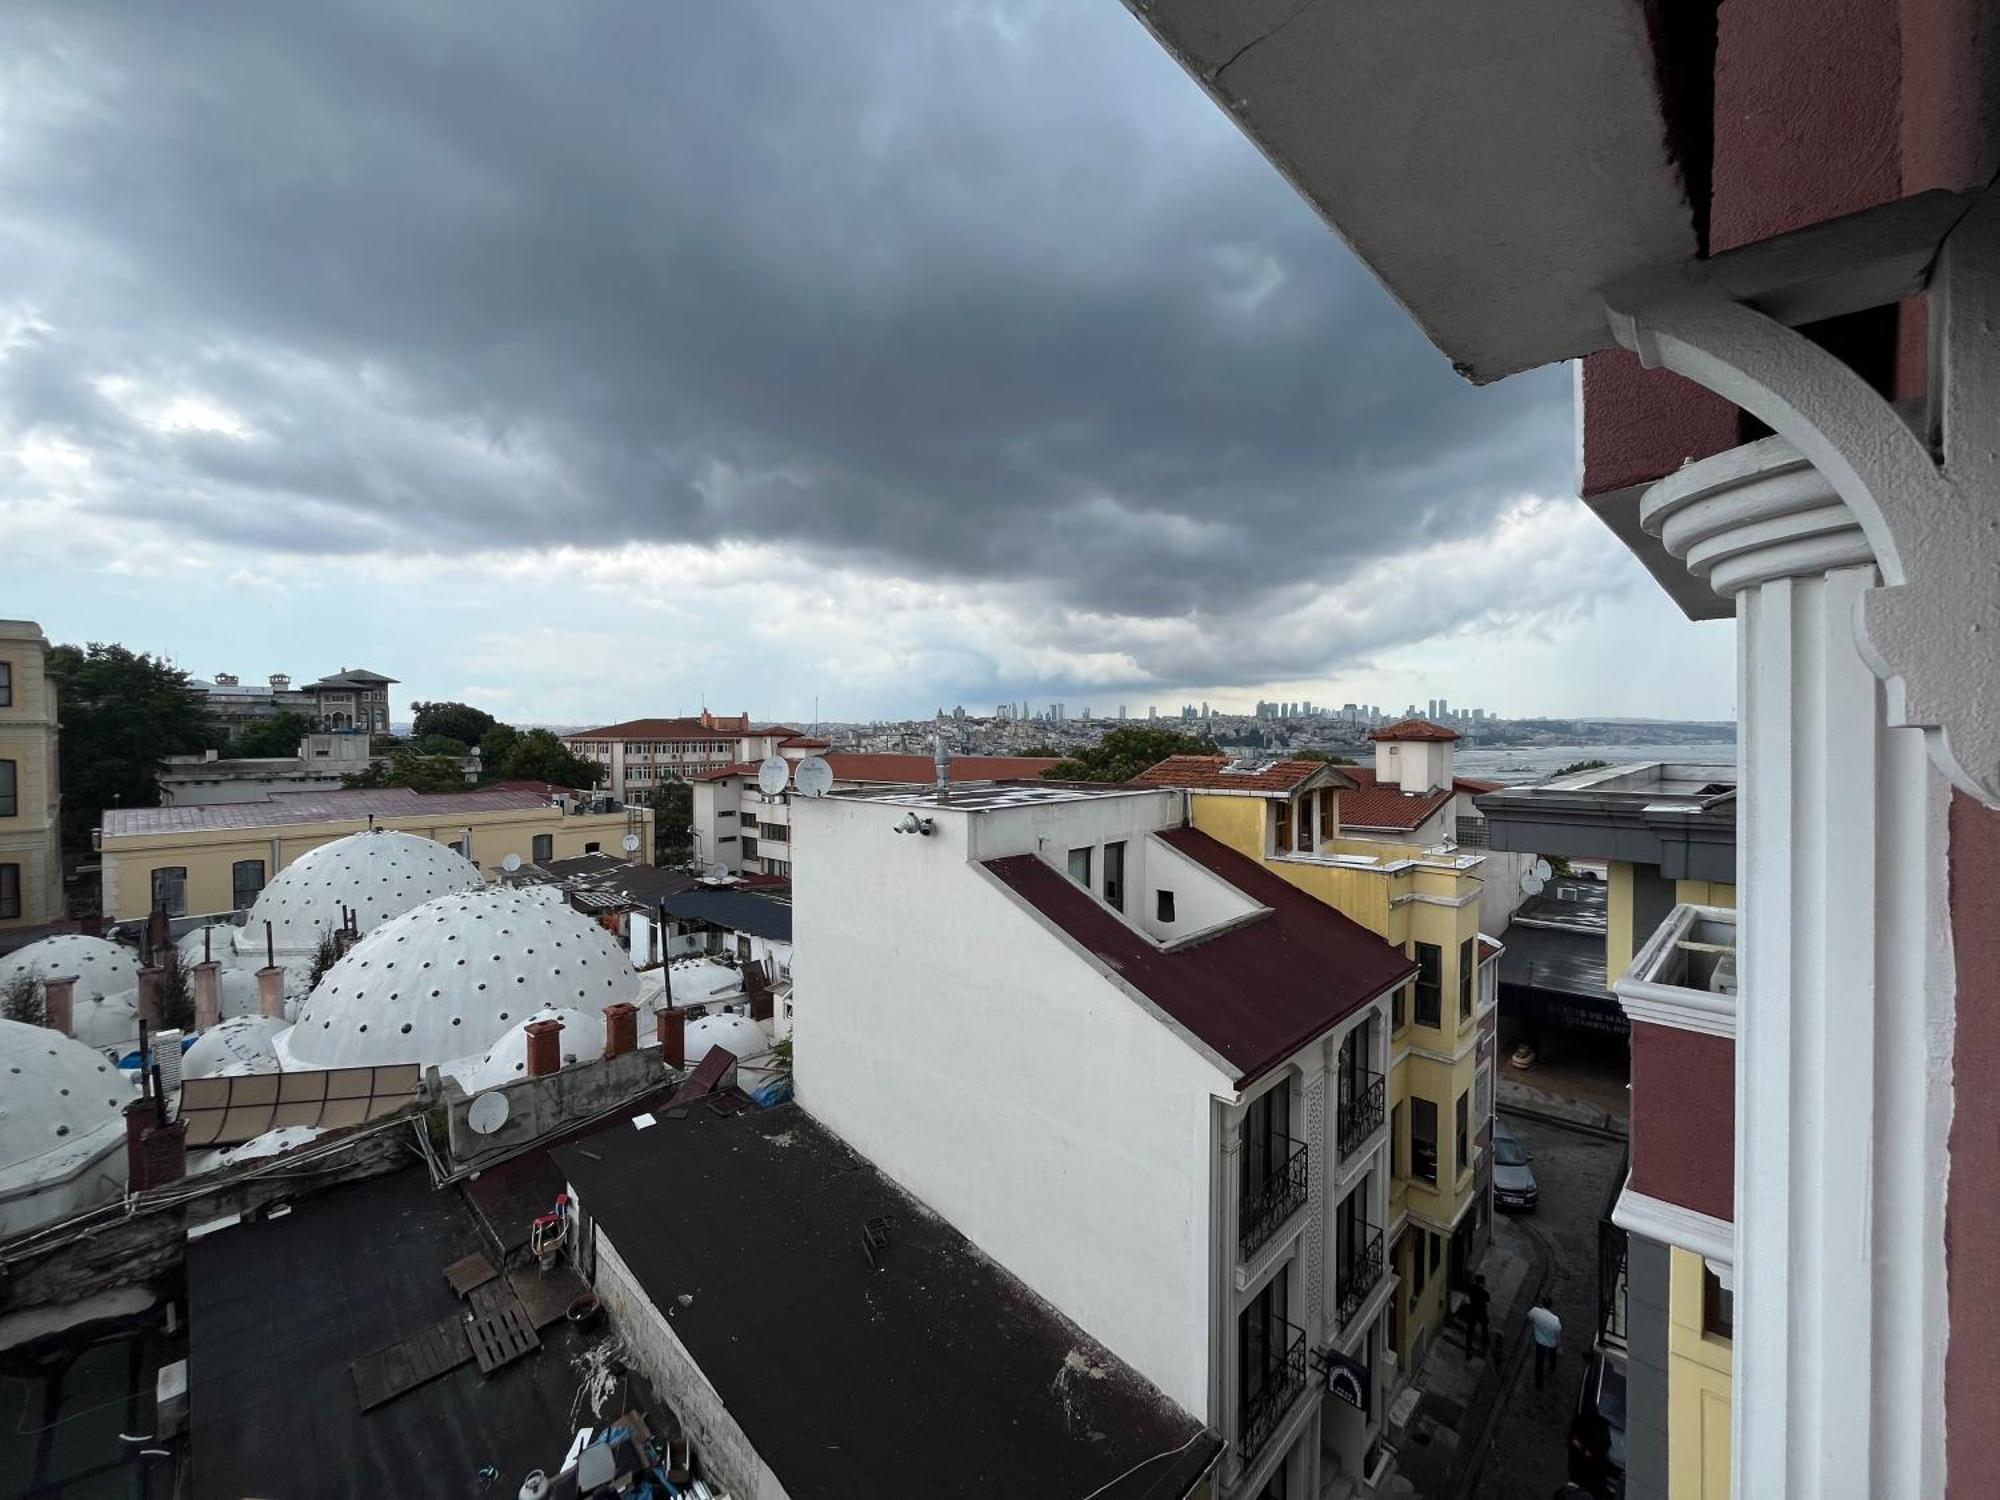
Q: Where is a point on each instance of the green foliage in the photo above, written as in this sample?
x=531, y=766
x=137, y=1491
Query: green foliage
x=440, y=744
x=1327, y=756
x=271, y=739
x=496, y=744
x=1040, y=751
x=25, y=1000
x=123, y=713
x=458, y=721
x=673, y=822
x=1582, y=765
x=420, y=773
x=325, y=956
x=537, y=755
x=176, y=989
x=1124, y=753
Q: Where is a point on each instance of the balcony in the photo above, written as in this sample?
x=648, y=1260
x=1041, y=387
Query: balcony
x=1267, y=1204
x=1361, y=1111
x=1359, y=1271
x=1263, y=1410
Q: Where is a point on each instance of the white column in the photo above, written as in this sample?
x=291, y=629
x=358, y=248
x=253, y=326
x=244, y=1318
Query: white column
x=1844, y=1030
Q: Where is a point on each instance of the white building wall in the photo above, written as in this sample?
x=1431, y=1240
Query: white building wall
x=967, y=1050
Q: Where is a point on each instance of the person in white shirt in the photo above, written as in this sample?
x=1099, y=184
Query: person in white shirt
x=1548, y=1331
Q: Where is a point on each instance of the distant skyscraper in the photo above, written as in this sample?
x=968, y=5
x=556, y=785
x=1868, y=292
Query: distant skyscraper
x=1121, y=713
x=1152, y=710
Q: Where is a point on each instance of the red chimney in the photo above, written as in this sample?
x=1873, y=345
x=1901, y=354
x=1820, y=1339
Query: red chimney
x=164, y=1148
x=544, y=1048
x=271, y=992
x=140, y=1117
x=673, y=1037
x=207, y=994
x=149, y=996
x=60, y=995
x=621, y=1028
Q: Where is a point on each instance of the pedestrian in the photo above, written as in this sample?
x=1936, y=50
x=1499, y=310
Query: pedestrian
x=1477, y=1301
x=1548, y=1331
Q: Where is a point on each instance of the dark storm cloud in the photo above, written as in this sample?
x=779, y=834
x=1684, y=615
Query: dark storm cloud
x=955, y=290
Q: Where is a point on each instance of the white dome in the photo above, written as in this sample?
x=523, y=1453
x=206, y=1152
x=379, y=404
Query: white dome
x=223, y=938
x=582, y=1040
x=448, y=980
x=62, y=1126
x=247, y=1044
x=99, y=967
x=741, y=1035
x=380, y=874
x=107, y=1021
x=702, y=981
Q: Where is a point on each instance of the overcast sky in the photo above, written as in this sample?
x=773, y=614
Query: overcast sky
x=594, y=360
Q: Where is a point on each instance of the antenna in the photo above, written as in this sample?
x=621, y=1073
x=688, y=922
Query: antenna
x=813, y=776
x=773, y=775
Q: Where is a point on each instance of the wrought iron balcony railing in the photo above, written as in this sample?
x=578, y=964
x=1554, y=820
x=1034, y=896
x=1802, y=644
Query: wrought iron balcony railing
x=1359, y=1272
x=1360, y=1111
x=1271, y=1396
x=1268, y=1202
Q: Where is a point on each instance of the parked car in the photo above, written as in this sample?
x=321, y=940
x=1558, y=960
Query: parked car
x=1597, y=1432
x=1513, y=1179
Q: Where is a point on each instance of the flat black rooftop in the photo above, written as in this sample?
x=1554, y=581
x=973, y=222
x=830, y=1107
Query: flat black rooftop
x=278, y=1309
x=936, y=1374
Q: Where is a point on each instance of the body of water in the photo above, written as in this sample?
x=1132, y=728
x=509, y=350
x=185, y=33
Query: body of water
x=1531, y=763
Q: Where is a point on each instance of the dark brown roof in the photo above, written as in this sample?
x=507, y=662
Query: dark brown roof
x=1414, y=729
x=658, y=729
x=1372, y=805
x=1254, y=994
x=1213, y=773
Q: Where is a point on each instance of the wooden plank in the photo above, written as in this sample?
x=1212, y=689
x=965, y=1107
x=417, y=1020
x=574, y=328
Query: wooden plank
x=474, y=1270
x=501, y=1338
x=409, y=1363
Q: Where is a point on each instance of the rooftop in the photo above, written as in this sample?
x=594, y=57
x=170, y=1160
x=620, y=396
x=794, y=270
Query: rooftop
x=984, y=796
x=1415, y=729
x=316, y=807
x=1679, y=815
x=735, y=910
x=922, y=1369
x=1372, y=805
x=1220, y=773
x=667, y=729
x=1254, y=993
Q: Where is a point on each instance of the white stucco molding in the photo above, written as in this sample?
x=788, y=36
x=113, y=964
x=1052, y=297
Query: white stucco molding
x=1713, y=1239
x=1931, y=631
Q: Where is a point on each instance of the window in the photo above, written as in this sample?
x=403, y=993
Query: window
x=592, y=847
x=543, y=848
x=10, y=890
x=10, y=804
x=1424, y=1140
x=1114, y=876
x=1262, y=1338
x=1283, y=843
x=727, y=812
x=1718, y=1307
x=170, y=890
x=1430, y=985
x=246, y=879
x=1468, y=960
x=776, y=833
x=1399, y=1010
x=1163, y=910
x=749, y=846
x=1079, y=867
x=1464, y=1125
x=1304, y=820
x=1398, y=1163
x=6, y=684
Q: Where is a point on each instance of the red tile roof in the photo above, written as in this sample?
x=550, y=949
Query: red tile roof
x=1212, y=773
x=805, y=742
x=1373, y=805
x=1414, y=729
x=1488, y=949
x=657, y=729
x=717, y=773
x=1254, y=994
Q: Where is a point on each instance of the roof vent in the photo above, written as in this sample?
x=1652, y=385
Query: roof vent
x=1248, y=765
x=875, y=1240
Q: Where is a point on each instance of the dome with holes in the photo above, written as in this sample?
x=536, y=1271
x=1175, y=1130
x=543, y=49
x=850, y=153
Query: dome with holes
x=743, y=1037
x=582, y=1040
x=62, y=1127
x=100, y=967
x=379, y=874
x=243, y=1044
x=447, y=981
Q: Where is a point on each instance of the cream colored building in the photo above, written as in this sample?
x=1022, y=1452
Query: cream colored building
x=202, y=860
x=31, y=892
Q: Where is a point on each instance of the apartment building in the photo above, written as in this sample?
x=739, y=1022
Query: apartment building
x=1136, y=1069
x=352, y=699
x=643, y=754
x=31, y=888
x=1293, y=818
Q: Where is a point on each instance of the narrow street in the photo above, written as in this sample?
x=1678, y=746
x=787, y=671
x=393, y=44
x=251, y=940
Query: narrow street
x=1574, y=1171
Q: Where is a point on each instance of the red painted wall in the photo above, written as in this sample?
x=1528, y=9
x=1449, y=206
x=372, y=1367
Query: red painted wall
x=1684, y=1118
x=1639, y=424
x=1972, y=1199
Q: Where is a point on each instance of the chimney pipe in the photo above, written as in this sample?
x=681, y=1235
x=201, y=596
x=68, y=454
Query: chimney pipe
x=270, y=948
x=149, y=996
x=164, y=1148
x=544, y=1048
x=60, y=998
x=271, y=992
x=621, y=1028
x=672, y=1026
x=207, y=994
x=138, y=1119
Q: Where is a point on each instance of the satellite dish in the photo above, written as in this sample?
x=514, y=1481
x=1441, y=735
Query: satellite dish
x=1543, y=871
x=511, y=863
x=814, y=776
x=774, y=775
x=716, y=872
x=488, y=1112
x=631, y=842
x=1531, y=883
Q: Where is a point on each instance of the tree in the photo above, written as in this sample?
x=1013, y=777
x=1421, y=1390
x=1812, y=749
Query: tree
x=420, y=773
x=459, y=721
x=1327, y=756
x=25, y=1000
x=176, y=989
x=325, y=955
x=1124, y=753
x=495, y=744
x=1582, y=765
x=271, y=738
x=123, y=713
x=537, y=755
x=672, y=803
x=439, y=744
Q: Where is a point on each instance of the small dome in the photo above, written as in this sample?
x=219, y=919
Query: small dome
x=445, y=982
x=108, y=1021
x=702, y=981
x=222, y=939
x=741, y=1035
x=99, y=967
x=582, y=1039
x=380, y=874
x=62, y=1126
x=247, y=1044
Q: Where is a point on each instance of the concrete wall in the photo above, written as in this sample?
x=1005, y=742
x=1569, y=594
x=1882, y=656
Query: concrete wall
x=967, y=1050
x=539, y=1107
x=1647, y=1402
x=1698, y=1393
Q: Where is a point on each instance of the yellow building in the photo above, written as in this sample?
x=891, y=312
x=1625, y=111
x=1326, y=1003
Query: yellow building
x=1373, y=847
x=31, y=890
x=202, y=860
